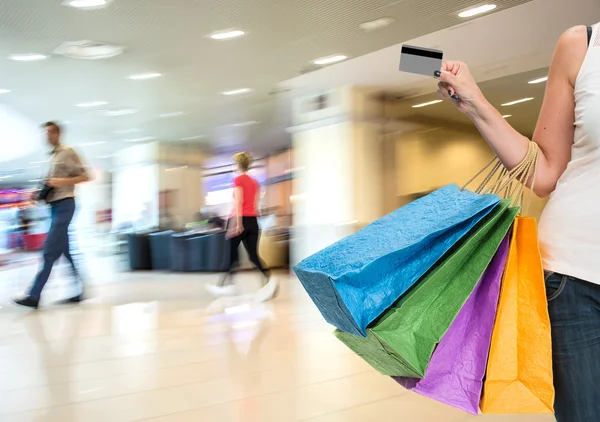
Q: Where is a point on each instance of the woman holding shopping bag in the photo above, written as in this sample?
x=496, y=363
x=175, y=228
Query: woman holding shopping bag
x=568, y=135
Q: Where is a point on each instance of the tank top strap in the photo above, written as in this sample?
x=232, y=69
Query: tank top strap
x=595, y=37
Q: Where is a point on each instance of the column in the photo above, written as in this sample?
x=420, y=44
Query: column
x=337, y=161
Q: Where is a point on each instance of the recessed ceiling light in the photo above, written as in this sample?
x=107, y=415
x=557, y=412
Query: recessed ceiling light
x=84, y=4
x=92, y=104
x=173, y=114
x=330, y=59
x=88, y=50
x=538, y=81
x=248, y=123
x=506, y=116
x=143, y=76
x=126, y=131
x=32, y=57
x=121, y=112
x=522, y=100
x=427, y=104
x=140, y=139
x=237, y=91
x=227, y=35
x=4, y=91
x=477, y=10
x=192, y=138
x=376, y=24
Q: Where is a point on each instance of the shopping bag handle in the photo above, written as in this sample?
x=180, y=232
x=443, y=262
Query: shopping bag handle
x=510, y=183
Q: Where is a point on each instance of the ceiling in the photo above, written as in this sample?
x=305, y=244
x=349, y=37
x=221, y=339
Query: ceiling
x=282, y=39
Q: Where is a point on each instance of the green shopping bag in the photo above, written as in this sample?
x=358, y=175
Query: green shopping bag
x=402, y=341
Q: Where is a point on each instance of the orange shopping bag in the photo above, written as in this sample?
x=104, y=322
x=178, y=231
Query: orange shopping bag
x=519, y=373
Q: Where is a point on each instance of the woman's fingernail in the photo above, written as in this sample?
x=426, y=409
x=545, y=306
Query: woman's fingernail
x=450, y=93
x=454, y=97
x=437, y=73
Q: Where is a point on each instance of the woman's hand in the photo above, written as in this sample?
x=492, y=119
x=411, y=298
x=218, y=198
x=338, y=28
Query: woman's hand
x=235, y=230
x=458, y=85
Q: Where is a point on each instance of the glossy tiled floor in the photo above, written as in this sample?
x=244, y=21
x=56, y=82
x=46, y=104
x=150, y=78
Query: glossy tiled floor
x=145, y=349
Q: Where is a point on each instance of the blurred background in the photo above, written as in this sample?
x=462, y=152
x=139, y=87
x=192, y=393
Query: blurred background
x=156, y=96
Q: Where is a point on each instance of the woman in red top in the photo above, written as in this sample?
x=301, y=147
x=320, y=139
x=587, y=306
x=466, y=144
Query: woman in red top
x=243, y=224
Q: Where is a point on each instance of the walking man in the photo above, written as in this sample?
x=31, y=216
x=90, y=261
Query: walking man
x=66, y=171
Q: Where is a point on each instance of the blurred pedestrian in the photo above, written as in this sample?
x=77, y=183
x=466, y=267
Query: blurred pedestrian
x=66, y=171
x=243, y=228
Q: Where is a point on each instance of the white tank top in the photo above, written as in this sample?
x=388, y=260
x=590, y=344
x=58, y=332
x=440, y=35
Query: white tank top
x=569, y=231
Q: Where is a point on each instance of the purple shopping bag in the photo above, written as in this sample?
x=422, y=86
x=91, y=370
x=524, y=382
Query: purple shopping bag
x=455, y=373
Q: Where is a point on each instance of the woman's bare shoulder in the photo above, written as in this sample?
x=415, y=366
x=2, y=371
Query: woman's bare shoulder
x=571, y=50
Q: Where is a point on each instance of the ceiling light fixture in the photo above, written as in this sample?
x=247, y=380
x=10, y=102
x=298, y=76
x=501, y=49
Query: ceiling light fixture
x=86, y=4
x=92, y=104
x=32, y=57
x=88, y=50
x=243, y=124
x=538, y=81
x=506, y=116
x=144, y=76
x=141, y=139
x=427, y=104
x=522, y=100
x=477, y=11
x=227, y=35
x=173, y=114
x=330, y=60
x=121, y=112
x=4, y=91
x=192, y=138
x=237, y=91
x=376, y=24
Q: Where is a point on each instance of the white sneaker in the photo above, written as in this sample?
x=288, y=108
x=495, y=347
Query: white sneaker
x=220, y=291
x=268, y=291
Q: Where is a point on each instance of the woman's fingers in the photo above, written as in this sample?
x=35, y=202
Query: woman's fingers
x=444, y=90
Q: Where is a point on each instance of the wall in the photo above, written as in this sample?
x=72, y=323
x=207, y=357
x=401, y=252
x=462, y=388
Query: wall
x=135, y=186
x=429, y=158
x=337, y=161
x=277, y=195
x=145, y=173
x=180, y=176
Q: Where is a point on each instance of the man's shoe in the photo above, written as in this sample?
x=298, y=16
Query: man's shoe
x=72, y=301
x=27, y=302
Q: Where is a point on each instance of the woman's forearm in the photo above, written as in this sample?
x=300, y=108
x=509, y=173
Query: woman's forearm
x=238, y=214
x=508, y=144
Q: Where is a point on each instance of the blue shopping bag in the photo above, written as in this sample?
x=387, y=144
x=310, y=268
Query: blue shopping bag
x=355, y=280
